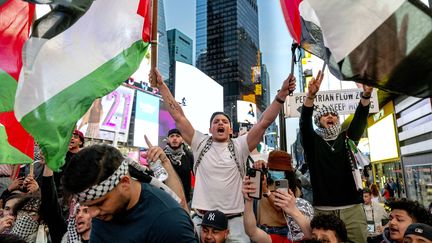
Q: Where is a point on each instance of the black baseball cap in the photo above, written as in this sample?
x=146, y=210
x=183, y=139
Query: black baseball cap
x=215, y=219
x=174, y=130
x=419, y=229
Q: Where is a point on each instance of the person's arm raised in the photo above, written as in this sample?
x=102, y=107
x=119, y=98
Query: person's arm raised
x=313, y=88
x=255, y=134
x=174, y=108
x=173, y=181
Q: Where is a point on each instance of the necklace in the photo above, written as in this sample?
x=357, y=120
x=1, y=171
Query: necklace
x=331, y=146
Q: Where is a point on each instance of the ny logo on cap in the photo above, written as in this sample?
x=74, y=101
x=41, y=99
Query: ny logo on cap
x=211, y=216
x=418, y=230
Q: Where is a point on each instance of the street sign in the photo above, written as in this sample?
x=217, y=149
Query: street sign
x=344, y=101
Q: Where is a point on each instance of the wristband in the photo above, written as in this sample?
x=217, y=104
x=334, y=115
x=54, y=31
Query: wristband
x=279, y=100
x=267, y=194
x=365, y=97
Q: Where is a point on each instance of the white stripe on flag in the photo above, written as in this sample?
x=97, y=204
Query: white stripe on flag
x=345, y=24
x=106, y=29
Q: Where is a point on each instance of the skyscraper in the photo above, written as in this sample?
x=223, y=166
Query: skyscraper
x=227, y=43
x=180, y=49
x=163, y=58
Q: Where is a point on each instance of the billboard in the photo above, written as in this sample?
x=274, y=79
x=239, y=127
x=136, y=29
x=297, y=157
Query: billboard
x=198, y=94
x=246, y=112
x=108, y=115
x=166, y=122
x=382, y=140
x=146, y=119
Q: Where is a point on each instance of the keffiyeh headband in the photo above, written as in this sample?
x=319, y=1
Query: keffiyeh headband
x=101, y=189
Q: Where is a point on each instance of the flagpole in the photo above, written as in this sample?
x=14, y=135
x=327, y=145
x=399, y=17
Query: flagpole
x=154, y=40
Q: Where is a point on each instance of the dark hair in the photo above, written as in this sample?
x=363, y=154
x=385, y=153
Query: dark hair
x=367, y=190
x=220, y=113
x=90, y=166
x=414, y=209
x=330, y=222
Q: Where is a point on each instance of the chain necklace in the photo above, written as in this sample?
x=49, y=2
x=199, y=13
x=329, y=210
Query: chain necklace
x=331, y=146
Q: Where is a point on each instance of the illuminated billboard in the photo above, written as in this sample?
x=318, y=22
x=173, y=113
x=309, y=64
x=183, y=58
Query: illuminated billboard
x=382, y=140
x=198, y=94
x=146, y=119
x=246, y=112
x=108, y=115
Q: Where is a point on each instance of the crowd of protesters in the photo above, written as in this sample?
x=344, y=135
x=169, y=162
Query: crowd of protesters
x=101, y=196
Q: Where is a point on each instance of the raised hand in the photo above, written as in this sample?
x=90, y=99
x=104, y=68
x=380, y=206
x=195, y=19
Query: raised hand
x=16, y=184
x=155, y=152
x=155, y=78
x=289, y=84
x=314, y=84
x=31, y=184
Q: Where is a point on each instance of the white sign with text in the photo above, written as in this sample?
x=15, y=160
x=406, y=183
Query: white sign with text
x=344, y=101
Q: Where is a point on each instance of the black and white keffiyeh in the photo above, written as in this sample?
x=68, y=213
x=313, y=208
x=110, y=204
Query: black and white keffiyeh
x=72, y=233
x=25, y=226
x=330, y=133
x=101, y=189
x=174, y=155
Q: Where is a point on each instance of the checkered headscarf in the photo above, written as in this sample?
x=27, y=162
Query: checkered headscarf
x=72, y=233
x=330, y=133
x=101, y=189
x=25, y=226
x=104, y=187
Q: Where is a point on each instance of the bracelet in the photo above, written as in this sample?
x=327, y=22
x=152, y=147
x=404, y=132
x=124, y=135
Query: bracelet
x=364, y=97
x=267, y=194
x=279, y=100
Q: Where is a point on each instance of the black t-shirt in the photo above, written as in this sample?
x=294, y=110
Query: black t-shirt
x=184, y=171
x=157, y=217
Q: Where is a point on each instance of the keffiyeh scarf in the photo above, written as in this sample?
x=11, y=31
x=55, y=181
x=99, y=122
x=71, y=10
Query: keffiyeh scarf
x=330, y=133
x=174, y=155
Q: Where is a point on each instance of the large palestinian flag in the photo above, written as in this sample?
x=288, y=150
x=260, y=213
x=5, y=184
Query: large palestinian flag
x=16, y=145
x=386, y=43
x=66, y=70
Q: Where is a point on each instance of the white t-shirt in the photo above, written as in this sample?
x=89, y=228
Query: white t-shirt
x=218, y=182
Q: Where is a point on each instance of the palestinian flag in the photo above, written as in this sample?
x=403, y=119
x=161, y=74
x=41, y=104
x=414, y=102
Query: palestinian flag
x=386, y=44
x=16, y=145
x=65, y=71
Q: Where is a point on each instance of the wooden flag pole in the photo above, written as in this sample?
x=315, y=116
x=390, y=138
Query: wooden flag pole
x=154, y=41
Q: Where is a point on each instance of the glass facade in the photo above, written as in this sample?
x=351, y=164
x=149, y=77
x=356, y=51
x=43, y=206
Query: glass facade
x=201, y=33
x=180, y=49
x=231, y=47
x=163, y=58
x=418, y=174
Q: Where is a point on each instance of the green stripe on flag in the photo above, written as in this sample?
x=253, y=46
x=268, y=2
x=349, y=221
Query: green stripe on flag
x=9, y=154
x=53, y=122
x=8, y=90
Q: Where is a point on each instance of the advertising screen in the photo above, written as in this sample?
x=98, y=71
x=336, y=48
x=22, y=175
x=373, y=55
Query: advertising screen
x=108, y=115
x=146, y=119
x=198, y=94
x=246, y=112
x=382, y=140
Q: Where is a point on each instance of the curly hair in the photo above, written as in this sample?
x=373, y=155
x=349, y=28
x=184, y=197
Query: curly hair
x=414, y=209
x=330, y=222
